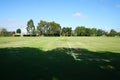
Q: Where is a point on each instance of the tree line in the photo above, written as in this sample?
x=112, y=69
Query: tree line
x=83, y=31
x=4, y=32
x=45, y=28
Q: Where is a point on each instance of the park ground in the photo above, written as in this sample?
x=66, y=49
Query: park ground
x=60, y=58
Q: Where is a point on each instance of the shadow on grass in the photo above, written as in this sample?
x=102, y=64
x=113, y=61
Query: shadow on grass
x=34, y=64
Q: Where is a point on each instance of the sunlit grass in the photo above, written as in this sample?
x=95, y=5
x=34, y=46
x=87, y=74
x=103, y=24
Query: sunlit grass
x=47, y=43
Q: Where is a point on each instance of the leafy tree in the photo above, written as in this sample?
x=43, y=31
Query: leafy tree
x=80, y=31
x=48, y=28
x=87, y=32
x=18, y=31
x=100, y=32
x=83, y=31
x=54, y=28
x=30, y=27
x=118, y=33
x=40, y=27
x=93, y=32
x=66, y=31
x=3, y=32
x=112, y=32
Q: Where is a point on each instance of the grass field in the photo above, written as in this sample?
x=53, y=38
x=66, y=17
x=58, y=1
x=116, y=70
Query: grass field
x=60, y=58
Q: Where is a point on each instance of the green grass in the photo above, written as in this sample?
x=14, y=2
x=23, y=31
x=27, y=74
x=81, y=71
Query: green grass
x=47, y=43
x=50, y=58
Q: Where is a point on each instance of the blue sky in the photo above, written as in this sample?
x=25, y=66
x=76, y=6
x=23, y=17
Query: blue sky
x=103, y=14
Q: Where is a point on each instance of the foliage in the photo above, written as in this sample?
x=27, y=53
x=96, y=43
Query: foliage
x=66, y=31
x=48, y=28
x=83, y=31
x=80, y=30
x=4, y=32
x=30, y=27
x=45, y=28
x=93, y=32
x=118, y=34
x=112, y=32
x=18, y=31
x=100, y=32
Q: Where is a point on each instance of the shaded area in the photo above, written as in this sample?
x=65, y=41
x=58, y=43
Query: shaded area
x=58, y=64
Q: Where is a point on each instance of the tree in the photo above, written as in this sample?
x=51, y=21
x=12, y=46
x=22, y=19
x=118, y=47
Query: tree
x=30, y=27
x=87, y=32
x=66, y=31
x=54, y=28
x=48, y=28
x=18, y=31
x=3, y=32
x=83, y=31
x=80, y=31
x=93, y=32
x=118, y=33
x=112, y=32
x=40, y=27
x=100, y=32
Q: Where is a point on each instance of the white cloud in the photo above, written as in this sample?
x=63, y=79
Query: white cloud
x=79, y=15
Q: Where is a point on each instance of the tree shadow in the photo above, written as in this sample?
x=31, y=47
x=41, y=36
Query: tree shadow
x=27, y=63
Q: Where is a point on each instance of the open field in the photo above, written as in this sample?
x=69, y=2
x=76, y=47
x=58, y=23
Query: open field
x=59, y=58
x=110, y=44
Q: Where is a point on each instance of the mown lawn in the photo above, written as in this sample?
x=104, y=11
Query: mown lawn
x=51, y=58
